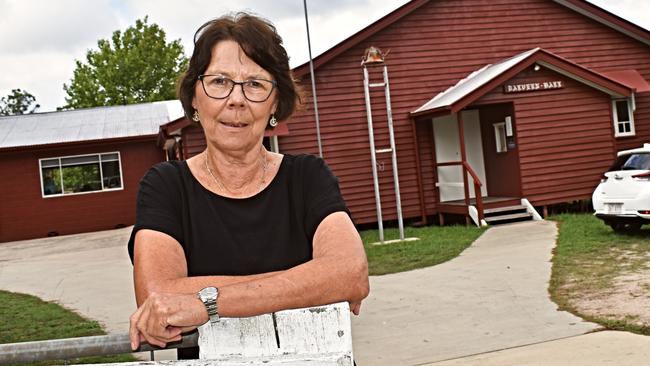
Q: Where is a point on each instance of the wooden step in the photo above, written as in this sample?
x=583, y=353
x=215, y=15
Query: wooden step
x=509, y=217
x=504, y=209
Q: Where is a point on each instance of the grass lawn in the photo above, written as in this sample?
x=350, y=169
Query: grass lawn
x=437, y=244
x=28, y=318
x=600, y=275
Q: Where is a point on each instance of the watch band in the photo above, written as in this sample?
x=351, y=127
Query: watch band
x=209, y=297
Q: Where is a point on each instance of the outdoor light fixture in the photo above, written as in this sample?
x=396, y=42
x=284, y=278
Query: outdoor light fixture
x=537, y=67
x=373, y=55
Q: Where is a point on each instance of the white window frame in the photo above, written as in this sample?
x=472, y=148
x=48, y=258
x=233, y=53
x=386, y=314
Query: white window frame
x=101, y=174
x=630, y=112
x=500, y=137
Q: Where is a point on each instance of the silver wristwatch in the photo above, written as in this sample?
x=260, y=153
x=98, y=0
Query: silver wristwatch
x=209, y=296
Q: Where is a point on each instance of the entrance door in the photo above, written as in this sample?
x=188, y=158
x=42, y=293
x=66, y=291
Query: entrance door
x=447, y=145
x=501, y=150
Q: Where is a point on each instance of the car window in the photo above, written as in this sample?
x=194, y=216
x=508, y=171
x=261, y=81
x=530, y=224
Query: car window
x=632, y=162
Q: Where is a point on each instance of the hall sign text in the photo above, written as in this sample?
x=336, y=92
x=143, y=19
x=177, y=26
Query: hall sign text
x=525, y=87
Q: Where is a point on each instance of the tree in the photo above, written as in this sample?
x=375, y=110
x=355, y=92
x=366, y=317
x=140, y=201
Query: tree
x=136, y=66
x=18, y=102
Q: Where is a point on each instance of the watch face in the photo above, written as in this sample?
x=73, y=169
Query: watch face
x=208, y=293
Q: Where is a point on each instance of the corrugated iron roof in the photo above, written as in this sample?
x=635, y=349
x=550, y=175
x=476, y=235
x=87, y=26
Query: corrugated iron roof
x=470, y=88
x=87, y=124
x=472, y=82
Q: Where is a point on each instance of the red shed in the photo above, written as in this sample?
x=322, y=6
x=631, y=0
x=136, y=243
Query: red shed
x=76, y=171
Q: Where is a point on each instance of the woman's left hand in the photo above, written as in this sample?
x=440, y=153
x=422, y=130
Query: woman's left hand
x=163, y=317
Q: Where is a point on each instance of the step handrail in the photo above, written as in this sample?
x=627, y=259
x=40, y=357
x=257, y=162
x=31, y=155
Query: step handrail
x=477, y=186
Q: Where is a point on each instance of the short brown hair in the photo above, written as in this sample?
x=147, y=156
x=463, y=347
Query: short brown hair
x=259, y=40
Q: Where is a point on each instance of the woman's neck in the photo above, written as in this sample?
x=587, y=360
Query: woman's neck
x=237, y=174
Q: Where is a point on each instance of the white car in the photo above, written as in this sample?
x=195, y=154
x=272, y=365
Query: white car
x=622, y=199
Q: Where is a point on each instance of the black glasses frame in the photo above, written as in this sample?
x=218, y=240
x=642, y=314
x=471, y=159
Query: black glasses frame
x=274, y=85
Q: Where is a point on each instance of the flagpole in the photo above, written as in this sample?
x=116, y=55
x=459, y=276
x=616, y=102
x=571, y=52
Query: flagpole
x=313, y=83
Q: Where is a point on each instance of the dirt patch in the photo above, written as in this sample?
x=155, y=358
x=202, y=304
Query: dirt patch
x=627, y=296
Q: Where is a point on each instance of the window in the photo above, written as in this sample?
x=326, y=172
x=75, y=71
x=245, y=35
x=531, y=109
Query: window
x=623, y=118
x=500, y=137
x=80, y=174
x=631, y=162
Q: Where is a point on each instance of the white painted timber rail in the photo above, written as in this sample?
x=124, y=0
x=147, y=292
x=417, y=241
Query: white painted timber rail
x=316, y=336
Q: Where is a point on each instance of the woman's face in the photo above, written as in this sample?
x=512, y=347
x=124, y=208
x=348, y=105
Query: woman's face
x=233, y=124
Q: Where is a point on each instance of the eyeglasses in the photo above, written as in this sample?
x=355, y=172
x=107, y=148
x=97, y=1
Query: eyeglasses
x=220, y=87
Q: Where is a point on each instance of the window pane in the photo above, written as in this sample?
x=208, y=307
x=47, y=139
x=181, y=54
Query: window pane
x=51, y=181
x=81, y=178
x=50, y=163
x=637, y=162
x=80, y=160
x=111, y=172
x=622, y=114
x=500, y=137
x=110, y=157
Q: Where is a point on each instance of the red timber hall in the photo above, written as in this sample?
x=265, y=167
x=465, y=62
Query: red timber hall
x=524, y=101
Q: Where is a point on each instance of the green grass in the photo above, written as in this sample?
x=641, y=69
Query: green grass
x=28, y=318
x=588, y=258
x=437, y=244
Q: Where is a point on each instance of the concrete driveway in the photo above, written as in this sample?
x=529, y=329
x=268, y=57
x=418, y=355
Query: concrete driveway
x=485, y=306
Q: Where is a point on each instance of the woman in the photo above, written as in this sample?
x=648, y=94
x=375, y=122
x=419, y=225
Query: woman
x=251, y=231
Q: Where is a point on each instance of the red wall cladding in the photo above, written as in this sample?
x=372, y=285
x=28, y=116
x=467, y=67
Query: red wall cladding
x=25, y=214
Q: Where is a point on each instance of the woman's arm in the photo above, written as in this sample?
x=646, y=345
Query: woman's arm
x=160, y=266
x=337, y=272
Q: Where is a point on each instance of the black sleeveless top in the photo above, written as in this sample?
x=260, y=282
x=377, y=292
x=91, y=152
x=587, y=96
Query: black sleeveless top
x=270, y=231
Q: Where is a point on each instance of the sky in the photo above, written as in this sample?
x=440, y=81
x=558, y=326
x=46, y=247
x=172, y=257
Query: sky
x=41, y=39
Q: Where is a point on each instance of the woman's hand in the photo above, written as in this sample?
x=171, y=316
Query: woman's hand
x=163, y=317
x=355, y=307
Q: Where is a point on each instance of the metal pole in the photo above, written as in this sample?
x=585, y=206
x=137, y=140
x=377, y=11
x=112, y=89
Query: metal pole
x=371, y=136
x=398, y=199
x=68, y=348
x=313, y=83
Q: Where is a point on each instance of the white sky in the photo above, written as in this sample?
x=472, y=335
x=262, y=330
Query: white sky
x=41, y=39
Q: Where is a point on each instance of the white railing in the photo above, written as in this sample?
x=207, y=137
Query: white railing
x=318, y=335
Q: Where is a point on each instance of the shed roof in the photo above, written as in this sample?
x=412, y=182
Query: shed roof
x=631, y=78
x=472, y=82
x=87, y=124
x=480, y=82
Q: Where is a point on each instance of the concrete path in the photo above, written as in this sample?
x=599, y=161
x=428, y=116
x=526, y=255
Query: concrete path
x=90, y=273
x=601, y=348
x=492, y=297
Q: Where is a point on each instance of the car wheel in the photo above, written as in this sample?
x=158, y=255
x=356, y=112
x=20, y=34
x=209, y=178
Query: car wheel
x=626, y=227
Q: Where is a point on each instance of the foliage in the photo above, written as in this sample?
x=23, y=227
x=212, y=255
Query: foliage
x=135, y=66
x=436, y=244
x=588, y=258
x=28, y=318
x=18, y=102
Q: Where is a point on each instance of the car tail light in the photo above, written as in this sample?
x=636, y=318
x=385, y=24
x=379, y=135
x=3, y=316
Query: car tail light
x=644, y=212
x=603, y=178
x=643, y=176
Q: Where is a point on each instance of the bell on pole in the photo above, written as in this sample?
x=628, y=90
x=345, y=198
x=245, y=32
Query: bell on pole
x=374, y=56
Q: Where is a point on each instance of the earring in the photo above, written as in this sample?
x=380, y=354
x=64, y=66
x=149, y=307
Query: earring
x=273, y=122
x=195, y=116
